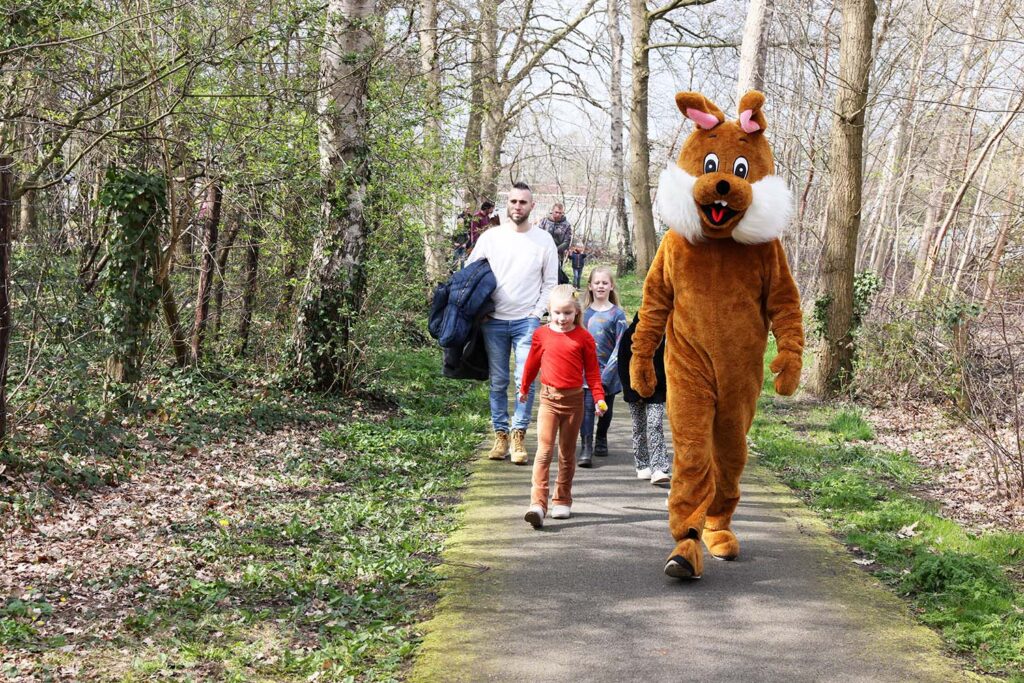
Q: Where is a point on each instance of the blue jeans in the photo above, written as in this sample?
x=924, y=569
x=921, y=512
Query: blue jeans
x=502, y=337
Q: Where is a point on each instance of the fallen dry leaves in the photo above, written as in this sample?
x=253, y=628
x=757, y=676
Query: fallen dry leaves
x=960, y=468
x=96, y=559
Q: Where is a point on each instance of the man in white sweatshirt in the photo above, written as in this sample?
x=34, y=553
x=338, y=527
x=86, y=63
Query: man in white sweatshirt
x=524, y=261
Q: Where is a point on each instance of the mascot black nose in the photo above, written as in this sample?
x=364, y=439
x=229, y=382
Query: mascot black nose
x=722, y=187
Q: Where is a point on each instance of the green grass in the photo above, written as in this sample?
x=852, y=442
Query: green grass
x=328, y=580
x=851, y=425
x=958, y=582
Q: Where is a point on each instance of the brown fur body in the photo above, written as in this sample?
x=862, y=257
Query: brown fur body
x=716, y=299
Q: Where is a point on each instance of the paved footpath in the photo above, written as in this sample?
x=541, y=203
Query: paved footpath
x=585, y=599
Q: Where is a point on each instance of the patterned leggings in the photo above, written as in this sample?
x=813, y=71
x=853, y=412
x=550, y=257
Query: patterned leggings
x=648, y=436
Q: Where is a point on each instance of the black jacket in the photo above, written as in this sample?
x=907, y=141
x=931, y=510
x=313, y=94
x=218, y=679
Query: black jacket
x=469, y=361
x=626, y=354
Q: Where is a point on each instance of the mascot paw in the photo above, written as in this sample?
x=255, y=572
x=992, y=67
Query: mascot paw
x=786, y=366
x=722, y=544
x=686, y=561
x=641, y=375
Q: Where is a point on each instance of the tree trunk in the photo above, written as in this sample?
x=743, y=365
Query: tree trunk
x=967, y=247
x=887, y=201
x=618, y=216
x=922, y=282
x=333, y=296
x=835, y=361
x=223, y=253
x=494, y=96
x=754, y=49
x=435, y=244
x=6, y=223
x=252, y=261
x=170, y=307
x=1014, y=217
x=210, y=213
x=471, y=145
x=645, y=238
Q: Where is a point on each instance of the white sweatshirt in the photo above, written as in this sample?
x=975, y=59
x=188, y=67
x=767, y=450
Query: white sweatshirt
x=525, y=264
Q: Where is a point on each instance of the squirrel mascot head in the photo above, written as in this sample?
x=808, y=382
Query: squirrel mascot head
x=724, y=184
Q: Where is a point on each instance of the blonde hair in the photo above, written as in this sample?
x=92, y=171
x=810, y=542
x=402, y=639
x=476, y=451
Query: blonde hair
x=564, y=294
x=613, y=295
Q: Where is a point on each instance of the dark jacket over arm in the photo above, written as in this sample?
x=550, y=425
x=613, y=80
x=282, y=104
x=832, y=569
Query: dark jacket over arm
x=626, y=353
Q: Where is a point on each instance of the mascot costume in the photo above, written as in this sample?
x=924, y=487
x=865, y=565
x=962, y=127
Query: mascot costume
x=719, y=283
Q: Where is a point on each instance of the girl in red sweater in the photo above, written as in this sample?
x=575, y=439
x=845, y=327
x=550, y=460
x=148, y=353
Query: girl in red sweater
x=562, y=352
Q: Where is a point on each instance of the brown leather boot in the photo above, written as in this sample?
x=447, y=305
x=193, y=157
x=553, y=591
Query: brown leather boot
x=500, y=448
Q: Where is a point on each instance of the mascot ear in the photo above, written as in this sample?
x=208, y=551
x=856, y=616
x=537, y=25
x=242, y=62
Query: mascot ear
x=698, y=109
x=751, y=118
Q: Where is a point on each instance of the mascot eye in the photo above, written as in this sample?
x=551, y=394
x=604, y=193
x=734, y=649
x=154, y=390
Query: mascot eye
x=740, y=168
x=711, y=163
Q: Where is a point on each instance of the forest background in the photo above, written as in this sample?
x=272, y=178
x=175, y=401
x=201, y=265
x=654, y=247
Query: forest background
x=221, y=205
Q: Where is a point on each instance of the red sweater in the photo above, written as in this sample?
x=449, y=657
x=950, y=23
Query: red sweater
x=562, y=359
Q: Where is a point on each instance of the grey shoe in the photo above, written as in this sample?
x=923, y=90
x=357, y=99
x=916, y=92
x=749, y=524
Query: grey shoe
x=601, y=446
x=584, y=457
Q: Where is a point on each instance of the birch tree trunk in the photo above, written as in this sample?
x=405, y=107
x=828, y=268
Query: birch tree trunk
x=922, y=283
x=754, y=49
x=1012, y=220
x=835, y=359
x=333, y=295
x=617, y=213
x=967, y=247
x=434, y=241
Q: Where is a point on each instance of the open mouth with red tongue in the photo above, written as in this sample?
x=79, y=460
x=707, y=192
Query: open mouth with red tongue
x=717, y=213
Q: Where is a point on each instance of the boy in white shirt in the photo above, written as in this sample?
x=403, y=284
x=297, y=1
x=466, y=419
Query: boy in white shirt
x=524, y=261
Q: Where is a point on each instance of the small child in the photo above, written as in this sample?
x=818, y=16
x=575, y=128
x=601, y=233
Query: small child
x=648, y=413
x=562, y=352
x=606, y=321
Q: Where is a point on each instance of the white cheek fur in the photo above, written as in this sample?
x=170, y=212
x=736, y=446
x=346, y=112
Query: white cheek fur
x=765, y=219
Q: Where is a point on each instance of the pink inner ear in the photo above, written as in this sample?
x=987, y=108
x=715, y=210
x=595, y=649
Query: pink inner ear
x=746, y=124
x=702, y=118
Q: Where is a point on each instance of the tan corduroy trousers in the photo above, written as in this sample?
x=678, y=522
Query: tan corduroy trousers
x=559, y=417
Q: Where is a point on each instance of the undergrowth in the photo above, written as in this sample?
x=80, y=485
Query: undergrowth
x=326, y=582
x=958, y=582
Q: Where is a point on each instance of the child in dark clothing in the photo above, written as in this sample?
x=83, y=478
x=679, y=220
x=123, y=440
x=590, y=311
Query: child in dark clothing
x=648, y=414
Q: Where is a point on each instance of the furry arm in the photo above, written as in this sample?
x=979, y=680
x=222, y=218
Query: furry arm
x=654, y=312
x=783, y=307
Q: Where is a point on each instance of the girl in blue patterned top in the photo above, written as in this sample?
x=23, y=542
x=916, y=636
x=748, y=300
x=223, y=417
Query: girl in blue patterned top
x=606, y=321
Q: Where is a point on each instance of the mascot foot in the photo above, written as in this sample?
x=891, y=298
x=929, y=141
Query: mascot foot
x=686, y=561
x=722, y=544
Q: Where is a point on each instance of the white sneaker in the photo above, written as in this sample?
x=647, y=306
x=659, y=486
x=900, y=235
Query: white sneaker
x=659, y=477
x=561, y=512
x=535, y=516
x=644, y=473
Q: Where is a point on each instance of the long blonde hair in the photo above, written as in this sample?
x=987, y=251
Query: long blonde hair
x=563, y=294
x=613, y=295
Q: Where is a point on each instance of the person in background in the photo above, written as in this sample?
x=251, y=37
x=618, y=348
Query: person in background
x=560, y=229
x=460, y=238
x=578, y=257
x=481, y=221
